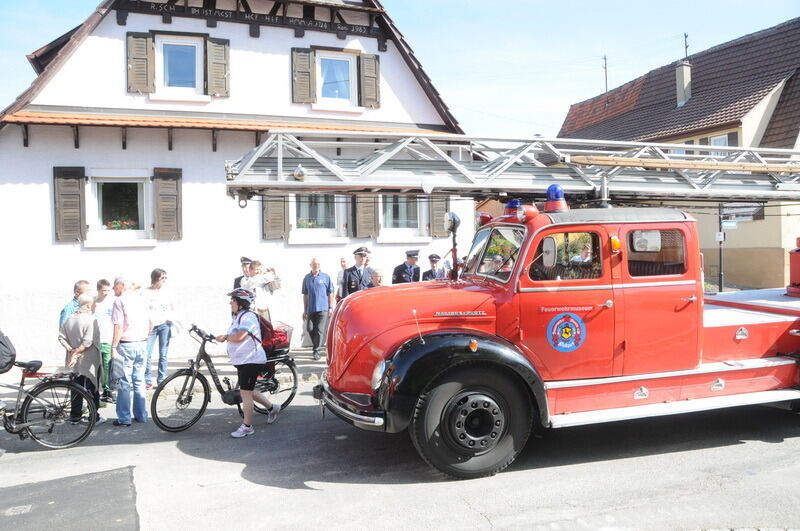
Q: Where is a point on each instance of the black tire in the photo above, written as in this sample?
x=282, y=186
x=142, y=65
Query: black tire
x=279, y=385
x=47, y=409
x=472, y=422
x=178, y=403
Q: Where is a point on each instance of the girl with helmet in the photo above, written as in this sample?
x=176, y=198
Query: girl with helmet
x=247, y=355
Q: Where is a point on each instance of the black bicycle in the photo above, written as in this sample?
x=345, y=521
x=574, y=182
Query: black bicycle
x=44, y=412
x=181, y=399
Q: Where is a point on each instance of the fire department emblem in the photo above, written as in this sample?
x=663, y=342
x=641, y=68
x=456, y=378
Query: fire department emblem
x=566, y=332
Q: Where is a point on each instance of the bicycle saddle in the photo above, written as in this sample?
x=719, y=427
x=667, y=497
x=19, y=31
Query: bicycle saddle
x=29, y=367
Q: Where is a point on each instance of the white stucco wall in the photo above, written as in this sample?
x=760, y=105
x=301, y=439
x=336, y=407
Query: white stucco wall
x=260, y=70
x=36, y=273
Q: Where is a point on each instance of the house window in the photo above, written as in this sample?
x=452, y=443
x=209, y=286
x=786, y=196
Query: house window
x=721, y=140
x=336, y=75
x=179, y=72
x=180, y=65
x=400, y=212
x=315, y=212
x=120, y=206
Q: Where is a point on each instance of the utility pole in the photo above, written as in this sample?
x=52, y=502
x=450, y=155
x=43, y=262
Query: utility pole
x=685, y=45
x=605, y=72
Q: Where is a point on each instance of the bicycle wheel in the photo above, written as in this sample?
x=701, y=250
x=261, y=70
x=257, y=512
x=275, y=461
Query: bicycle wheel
x=278, y=383
x=46, y=411
x=180, y=401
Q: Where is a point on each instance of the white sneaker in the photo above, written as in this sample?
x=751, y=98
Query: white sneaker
x=243, y=431
x=272, y=414
x=100, y=420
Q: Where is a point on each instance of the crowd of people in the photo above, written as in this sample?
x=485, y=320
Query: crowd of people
x=111, y=335
x=121, y=322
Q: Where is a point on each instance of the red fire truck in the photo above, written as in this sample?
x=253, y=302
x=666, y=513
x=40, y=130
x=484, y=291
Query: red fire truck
x=558, y=318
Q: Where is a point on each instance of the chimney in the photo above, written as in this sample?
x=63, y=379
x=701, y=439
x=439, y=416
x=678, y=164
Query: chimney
x=683, y=82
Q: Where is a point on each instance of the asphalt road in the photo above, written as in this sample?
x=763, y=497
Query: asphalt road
x=736, y=468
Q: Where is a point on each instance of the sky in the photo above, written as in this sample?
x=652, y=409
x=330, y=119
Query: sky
x=507, y=68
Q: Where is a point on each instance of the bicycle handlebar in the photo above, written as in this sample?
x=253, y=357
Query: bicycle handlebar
x=202, y=334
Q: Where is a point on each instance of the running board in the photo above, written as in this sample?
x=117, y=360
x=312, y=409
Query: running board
x=672, y=408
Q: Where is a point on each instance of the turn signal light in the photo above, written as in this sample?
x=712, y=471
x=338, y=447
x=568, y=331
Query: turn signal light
x=473, y=345
x=616, y=245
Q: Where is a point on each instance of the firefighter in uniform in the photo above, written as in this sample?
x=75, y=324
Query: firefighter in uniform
x=435, y=272
x=357, y=277
x=408, y=271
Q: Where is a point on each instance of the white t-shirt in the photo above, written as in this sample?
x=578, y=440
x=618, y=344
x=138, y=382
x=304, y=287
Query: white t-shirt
x=102, y=311
x=158, y=304
x=249, y=350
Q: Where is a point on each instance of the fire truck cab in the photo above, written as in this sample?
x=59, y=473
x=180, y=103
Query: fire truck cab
x=558, y=318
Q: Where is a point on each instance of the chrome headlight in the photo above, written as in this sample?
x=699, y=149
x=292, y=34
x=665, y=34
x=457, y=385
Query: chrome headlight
x=377, y=374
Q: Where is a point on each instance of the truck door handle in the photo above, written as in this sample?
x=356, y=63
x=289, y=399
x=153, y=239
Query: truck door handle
x=608, y=304
x=794, y=332
x=690, y=299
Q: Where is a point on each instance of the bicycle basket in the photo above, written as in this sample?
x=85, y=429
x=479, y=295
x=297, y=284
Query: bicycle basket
x=283, y=335
x=7, y=353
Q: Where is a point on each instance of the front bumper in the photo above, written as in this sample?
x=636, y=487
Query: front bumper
x=358, y=415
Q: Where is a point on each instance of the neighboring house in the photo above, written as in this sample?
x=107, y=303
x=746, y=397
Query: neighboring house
x=745, y=92
x=114, y=158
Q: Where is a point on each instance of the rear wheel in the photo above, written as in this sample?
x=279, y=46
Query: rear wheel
x=180, y=401
x=46, y=410
x=472, y=422
x=278, y=383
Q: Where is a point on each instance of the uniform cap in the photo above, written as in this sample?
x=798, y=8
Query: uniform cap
x=433, y=257
x=245, y=260
x=361, y=250
x=413, y=253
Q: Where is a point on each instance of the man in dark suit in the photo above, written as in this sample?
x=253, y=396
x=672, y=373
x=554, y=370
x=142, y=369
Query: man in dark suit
x=408, y=271
x=357, y=277
x=237, y=282
x=436, y=271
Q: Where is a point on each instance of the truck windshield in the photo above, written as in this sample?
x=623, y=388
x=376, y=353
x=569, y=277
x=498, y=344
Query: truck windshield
x=494, y=252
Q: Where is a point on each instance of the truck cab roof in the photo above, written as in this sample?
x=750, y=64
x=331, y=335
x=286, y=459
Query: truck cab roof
x=618, y=215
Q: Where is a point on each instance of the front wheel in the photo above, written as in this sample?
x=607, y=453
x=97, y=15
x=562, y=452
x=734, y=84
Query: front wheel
x=471, y=422
x=46, y=412
x=180, y=400
x=278, y=383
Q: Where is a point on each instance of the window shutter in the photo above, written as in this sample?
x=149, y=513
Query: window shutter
x=217, y=69
x=438, y=210
x=275, y=218
x=733, y=138
x=304, y=86
x=70, y=211
x=369, y=81
x=141, y=63
x=168, y=209
x=366, y=217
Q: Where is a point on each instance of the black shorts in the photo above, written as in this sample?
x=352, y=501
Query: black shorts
x=248, y=374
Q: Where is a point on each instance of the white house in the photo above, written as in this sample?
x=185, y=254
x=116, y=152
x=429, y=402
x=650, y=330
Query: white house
x=113, y=161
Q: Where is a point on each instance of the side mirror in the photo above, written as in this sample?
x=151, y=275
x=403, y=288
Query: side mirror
x=451, y=222
x=549, y=252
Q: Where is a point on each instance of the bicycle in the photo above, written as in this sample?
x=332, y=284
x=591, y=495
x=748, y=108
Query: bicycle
x=44, y=414
x=181, y=399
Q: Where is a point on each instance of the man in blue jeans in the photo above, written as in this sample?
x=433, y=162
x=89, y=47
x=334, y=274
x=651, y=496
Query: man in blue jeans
x=131, y=329
x=160, y=307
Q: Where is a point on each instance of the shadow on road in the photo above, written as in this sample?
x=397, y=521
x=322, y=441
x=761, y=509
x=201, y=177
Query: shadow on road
x=303, y=449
